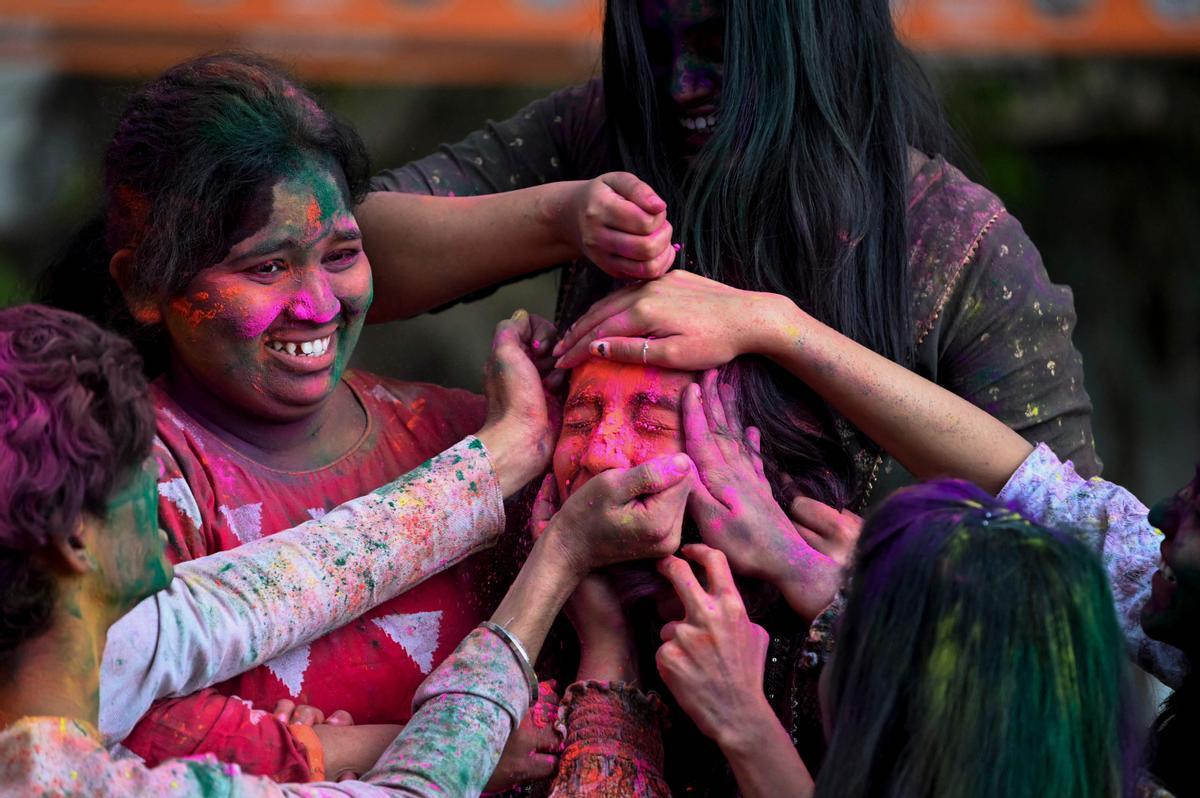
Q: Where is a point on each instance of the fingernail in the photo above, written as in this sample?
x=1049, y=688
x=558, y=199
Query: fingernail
x=519, y=314
x=558, y=363
x=680, y=462
x=558, y=349
x=599, y=348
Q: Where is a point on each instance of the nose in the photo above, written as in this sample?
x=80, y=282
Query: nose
x=690, y=82
x=315, y=300
x=607, y=448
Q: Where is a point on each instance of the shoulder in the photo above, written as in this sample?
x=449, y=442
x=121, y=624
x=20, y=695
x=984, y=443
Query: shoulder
x=424, y=409
x=962, y=235
x=948, y=217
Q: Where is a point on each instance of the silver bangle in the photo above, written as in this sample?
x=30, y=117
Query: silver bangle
x=518, y=651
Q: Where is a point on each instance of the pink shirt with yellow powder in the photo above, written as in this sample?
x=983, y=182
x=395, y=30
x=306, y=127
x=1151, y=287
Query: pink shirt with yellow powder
x=214, y=499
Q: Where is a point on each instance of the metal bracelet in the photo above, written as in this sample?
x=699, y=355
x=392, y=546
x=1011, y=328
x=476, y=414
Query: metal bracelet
x=518, y=651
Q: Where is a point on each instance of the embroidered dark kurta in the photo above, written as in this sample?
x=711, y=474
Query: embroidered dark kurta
x=990, y=325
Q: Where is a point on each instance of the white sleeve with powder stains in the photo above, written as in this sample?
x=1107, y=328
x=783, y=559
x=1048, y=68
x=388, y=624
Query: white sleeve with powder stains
x=466, y=709
x=231, y=611
x=1114, y=521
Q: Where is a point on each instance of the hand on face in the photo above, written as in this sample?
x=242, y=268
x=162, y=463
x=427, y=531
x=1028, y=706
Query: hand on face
x=712, y=661
x=621, y=226
x=624, y=514
x=692, y=323
x=519, y=430
x=736, y=512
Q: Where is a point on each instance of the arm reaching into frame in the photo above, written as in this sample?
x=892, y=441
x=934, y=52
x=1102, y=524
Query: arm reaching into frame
x=427, y=251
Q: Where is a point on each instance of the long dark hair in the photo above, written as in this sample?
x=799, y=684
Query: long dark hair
x=192, y=155
x=978, y=654
x=802, y=188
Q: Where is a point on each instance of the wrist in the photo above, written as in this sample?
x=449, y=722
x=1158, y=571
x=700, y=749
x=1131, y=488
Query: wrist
x=555, y=212
x=782, y=325
x=557, y=544
x=509, y=453
x=607, y=659
x=747, y=735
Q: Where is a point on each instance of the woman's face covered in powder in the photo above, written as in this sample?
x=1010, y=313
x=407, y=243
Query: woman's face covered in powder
x=270, y=328
x=685, y=43
x=1172, y=613
x=617, y=416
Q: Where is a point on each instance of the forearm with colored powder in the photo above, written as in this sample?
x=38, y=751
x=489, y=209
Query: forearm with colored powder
x=1112, y=520
x=465, y=711
x=228, y=612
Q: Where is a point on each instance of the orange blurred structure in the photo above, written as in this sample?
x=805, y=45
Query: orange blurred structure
x=514, y=41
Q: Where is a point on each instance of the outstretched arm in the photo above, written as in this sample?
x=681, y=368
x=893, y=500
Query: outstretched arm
x=694, y=323
x=426, y=251
x=228, y=612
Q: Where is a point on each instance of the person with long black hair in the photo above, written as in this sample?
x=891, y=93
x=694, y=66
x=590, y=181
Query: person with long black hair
x=797, y=148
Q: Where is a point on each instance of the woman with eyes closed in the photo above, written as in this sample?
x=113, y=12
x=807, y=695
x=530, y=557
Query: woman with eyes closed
x=616, y=416
x=713, y=659
x=230, y=235
x=797, y=150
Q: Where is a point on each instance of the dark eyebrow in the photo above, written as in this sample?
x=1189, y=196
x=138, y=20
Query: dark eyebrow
x=645, y=398
x=585, y=397
x=276, y=245
x=267, y=247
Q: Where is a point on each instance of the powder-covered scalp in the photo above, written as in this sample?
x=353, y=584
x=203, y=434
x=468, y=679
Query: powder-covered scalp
x=978, y=654
x=185, y=175
x=75, y=424
x=192, y=152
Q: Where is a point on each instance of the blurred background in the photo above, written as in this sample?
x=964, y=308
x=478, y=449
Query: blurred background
x=1083, y=115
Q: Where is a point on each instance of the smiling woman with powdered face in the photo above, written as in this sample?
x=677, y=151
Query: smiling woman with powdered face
x=230, y=232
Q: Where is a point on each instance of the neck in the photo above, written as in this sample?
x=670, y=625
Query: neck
x=58, y=673
x=309, y=441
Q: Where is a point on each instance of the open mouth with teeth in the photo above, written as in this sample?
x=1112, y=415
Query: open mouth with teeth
x=699, y=122
x=314, y=348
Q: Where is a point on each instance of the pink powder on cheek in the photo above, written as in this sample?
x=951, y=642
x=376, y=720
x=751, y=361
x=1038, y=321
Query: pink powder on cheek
x=196, y=309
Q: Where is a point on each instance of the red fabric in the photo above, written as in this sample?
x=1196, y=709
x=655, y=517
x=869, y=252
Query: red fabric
x=369, y=668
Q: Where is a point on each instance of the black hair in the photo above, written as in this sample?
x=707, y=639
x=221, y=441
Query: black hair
x=185, y=174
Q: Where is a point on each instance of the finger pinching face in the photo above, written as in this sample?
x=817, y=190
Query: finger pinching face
x=730, y=409
x=654, y=476
x=545, y=505
x=701, y=444
x=712, y=403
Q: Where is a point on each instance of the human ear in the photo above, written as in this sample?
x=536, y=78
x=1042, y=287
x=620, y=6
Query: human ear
x=73, y=550
x=121, y=269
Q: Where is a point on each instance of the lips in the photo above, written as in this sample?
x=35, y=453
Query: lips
x=305, y=353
